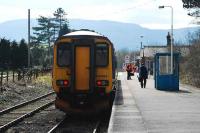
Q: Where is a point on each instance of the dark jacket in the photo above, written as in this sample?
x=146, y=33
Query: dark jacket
x=143, y=72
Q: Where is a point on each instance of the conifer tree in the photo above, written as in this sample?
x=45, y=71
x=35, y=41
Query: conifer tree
x=64, y=30
x=61, y=23
x=194, y=8
x=44, y=32
x=49, y=29
x=23, y=54
x=4, y=52
x=14, y=54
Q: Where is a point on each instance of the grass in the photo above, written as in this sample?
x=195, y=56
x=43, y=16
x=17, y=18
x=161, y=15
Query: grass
x=44, y=80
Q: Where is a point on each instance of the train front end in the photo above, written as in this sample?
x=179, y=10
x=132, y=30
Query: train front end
x=83, y=72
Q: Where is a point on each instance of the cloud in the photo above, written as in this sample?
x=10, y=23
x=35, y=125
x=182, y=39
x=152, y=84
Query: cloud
x=144, y=12
x=9, y=13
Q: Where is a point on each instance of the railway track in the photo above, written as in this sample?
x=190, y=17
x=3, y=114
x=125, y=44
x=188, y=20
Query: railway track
x=81, y=124
x=96, y=126
x=53, y=130
x=13, y=115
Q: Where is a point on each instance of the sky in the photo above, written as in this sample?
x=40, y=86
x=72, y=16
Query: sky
x=142, y=12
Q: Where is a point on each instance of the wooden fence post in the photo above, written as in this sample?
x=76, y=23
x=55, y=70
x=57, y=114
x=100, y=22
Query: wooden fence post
x=13, y=75
x=23, y=74
x=37, y=73
x=1, y=81
x=19, y=74
x=7, y=76
x=31, y=73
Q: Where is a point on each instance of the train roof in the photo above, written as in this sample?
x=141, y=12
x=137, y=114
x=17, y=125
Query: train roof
x=83, y=33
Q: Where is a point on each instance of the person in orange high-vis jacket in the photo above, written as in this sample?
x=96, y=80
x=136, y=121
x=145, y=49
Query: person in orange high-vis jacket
x=129, y=70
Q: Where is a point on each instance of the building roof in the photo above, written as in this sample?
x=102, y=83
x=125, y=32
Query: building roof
x=150, y=51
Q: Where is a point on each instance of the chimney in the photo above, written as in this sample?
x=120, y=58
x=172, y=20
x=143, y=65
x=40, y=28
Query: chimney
x=168, y=39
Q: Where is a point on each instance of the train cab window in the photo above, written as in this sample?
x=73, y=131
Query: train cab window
x=63, y=55
x=101, y=55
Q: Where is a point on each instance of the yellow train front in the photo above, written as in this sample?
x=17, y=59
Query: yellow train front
x=83, y=72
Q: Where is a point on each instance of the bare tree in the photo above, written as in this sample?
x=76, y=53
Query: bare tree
x=190, y=65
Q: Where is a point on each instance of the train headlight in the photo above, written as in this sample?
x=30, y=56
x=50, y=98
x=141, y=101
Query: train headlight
x=62, y=82
x=102, y=82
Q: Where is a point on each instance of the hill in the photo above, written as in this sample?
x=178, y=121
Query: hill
x=123, y=35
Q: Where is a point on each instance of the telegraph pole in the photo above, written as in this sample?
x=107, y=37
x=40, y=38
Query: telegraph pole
x=28, y=38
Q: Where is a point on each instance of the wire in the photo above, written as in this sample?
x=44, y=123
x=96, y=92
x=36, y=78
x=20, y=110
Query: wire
x=145, y=3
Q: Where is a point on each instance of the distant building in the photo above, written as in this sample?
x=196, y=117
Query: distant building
x=147, y=52
x=150, y=51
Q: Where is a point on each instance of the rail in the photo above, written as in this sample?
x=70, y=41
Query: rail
x=13, y=115
x=52, y=130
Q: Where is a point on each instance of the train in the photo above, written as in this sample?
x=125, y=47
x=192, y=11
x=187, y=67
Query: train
x=83, y=72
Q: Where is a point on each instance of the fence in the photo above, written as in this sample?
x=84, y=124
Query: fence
x=7, y=76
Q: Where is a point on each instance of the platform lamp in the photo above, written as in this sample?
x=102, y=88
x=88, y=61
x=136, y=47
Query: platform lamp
x=172, y=39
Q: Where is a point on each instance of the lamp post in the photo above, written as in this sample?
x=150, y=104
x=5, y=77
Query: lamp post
x=141, y=47
x=142, y=50
x=160, y=7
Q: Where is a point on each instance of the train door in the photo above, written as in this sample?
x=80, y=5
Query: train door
x=82, y=68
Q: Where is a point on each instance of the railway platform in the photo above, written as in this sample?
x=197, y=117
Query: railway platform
x=147, y=110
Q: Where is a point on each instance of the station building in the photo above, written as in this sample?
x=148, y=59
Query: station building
x=147, y=52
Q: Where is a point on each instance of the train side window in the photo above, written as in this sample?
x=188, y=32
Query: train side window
x=63, y=55
x=101, y=55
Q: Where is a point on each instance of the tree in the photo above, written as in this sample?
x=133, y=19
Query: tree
x=61, y=23
x=23, y=54
x=4, y=52
x=60, y=17
x=49, y=29
x=120, y=57
x=189, y=65
x=64, y=30
x=191, y=3
x=38, y=55
x=14, y=54
x=44, y=32
x=194, y=7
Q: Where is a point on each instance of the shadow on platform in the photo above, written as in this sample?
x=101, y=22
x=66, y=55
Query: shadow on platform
x=183, y=91
x=179, y=91
x=119, y=94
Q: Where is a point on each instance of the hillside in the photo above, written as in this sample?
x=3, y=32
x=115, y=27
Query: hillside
x=123, y=35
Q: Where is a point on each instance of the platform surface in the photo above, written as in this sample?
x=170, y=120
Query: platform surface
x=147, y=110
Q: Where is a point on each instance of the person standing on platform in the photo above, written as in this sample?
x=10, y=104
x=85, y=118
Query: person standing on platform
x=128, y=69
x=143, y=75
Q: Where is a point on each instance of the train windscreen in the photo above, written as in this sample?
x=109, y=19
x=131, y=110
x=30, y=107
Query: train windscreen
x=101, y=55
x=63, y=55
